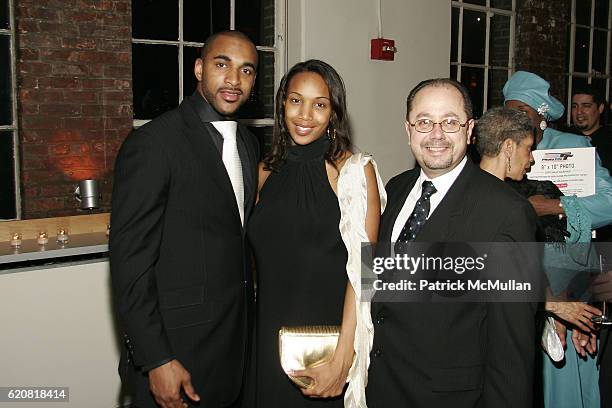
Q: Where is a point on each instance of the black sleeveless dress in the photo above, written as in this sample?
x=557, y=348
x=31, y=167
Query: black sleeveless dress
x=300, y=265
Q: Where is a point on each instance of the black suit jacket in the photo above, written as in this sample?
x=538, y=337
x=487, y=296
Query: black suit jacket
x=456, y=354
x=180, y=271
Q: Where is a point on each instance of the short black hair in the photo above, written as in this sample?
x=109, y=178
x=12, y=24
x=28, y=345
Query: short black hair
x=439, y=82
x=228, y=33
x=589, y=89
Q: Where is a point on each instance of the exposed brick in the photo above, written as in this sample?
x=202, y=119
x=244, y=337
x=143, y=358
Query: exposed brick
x=46, y=204
x=75, y=97
x=116, y=71
x=59, y=83
x=56, y=190
x=123, y=84
x=114, y=110
x=83, y=123
x=80, y=96
x=57, y=55
x=28, y=108
x=92, y=110
x=40, y=122
x=62, y=28
x=117, y=96
x=82, y=15
x=59, y=149
x=26, y=54
x=40, y=177
x=66, y=135
x=39, y=13
x=96, y=70
x=30, y=137
x=70, y=69
x=35, y=68
x=79, y=43
x=27, y=26
x=41, y=40
x=60, y=109
x=115, y=123
x=123, y=7
x=541, y=28
x=40, y=95
x=80, y=148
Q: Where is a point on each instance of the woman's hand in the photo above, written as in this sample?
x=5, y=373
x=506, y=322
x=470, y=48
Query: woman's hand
x=545, y=206
x=584, y=342
x=577, y=313
x=328, y=379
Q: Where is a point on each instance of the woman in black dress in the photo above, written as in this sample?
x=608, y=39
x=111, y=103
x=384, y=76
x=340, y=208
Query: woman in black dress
x=301, y=259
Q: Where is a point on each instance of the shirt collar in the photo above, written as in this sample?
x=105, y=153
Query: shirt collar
x=444, y=182
x=206, y=112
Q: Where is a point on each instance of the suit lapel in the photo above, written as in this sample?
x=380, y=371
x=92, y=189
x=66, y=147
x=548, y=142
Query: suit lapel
x=442, y=225
x=400, y=192
x=249, y=171
x=208, y=157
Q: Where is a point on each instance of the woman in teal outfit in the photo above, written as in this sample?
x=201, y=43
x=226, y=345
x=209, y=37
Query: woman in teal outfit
x=574, y=381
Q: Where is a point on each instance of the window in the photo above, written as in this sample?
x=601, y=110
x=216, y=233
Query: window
x=9, y=167
x=482, y=48
x=589, y=46
x=167, y=36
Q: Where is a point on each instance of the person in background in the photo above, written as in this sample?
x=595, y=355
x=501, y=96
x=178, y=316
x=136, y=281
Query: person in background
x=588, y=108
x=530, y=93
x=504, y=138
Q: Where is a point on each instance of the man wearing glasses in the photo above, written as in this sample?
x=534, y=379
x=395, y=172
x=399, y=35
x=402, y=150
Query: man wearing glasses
x=455, y=354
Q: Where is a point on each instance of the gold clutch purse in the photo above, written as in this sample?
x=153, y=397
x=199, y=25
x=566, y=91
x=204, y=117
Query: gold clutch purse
x=304, y=347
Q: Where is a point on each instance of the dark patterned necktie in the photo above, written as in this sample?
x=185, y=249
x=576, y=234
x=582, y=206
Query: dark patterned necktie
x=419, y=215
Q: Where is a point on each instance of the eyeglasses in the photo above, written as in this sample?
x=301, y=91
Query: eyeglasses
x=447, y=125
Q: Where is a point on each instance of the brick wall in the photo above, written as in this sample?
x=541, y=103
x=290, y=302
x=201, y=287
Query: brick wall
x=541, y=41
x=75, y=98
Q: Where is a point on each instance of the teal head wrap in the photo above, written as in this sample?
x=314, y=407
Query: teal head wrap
x=534, y=91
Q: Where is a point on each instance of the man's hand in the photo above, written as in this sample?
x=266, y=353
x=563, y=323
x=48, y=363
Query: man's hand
x=577, y=313
x=545, y=206
x=166, y=382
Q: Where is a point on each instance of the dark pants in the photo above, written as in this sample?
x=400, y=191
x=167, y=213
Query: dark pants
x=605, y=368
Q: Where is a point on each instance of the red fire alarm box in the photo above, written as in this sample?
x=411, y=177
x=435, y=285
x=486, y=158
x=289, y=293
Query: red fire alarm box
x=382, y=49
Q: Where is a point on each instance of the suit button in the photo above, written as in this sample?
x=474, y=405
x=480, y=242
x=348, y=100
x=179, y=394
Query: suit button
x=377, y=353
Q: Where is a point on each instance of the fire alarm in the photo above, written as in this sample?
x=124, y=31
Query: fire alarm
x=382, y=49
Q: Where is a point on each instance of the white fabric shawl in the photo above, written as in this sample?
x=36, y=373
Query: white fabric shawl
x=353, y=198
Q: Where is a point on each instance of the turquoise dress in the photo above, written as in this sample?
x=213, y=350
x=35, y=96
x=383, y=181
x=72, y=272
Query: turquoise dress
x=573, y=382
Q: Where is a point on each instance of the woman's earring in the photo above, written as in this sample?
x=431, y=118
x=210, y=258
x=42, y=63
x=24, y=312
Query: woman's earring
x=331, y=135
x=508, y=164
x=543, y=125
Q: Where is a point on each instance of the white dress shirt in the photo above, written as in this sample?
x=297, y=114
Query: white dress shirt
x=442, y=184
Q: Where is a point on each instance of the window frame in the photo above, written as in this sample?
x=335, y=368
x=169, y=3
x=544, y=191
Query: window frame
x=14, y=128
x=489, y=11
x=278, y=49
x=590, y=75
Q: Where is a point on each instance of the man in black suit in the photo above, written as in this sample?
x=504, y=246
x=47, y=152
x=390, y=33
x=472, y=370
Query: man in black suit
x=450, y=354
x=184, y=186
